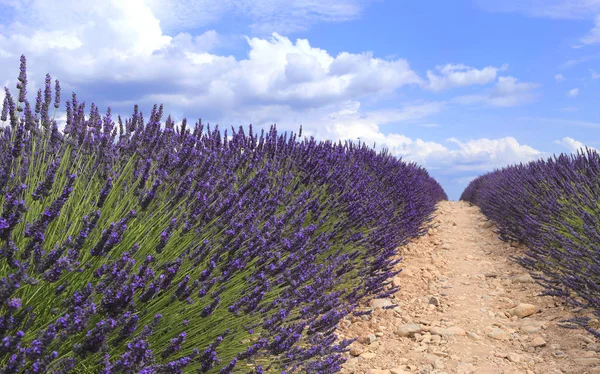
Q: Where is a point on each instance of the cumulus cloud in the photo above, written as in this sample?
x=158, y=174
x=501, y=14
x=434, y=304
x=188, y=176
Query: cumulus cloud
x=180, y=71
x=507, y=92
x=281, y=72
x=452, y=156
x=121, y=53
x=483, y=154
x=571, y=144
x=455, y=156
x=573, y=92
x=559, y=77
x=459, y=75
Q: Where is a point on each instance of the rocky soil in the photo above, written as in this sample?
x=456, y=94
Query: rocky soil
x=465, y=307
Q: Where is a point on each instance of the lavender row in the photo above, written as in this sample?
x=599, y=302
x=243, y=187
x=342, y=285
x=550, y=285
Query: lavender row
x=142, y=247
x=551, y=206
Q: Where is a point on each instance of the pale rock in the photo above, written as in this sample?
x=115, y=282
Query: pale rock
x=396, y=281
x=367, y=339
x=538, y=341
x=351, y=363
x=408, y=329
x=356, y=351
x=513, y=357
x=399, y=371
x=529, y=329
x=378, y=371
x=380, y=303
x=523, y=278
x=585, y=338
x=450, y=331
x=593, y=347
x=406, y=273
x=522, y=310
x=368, y=355
x=434, y=301
x=498, y=334
x=587, y=361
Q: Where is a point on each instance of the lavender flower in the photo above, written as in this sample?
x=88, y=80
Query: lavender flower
x=280, y=238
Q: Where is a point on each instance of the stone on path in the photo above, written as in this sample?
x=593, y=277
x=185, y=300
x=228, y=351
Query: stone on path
x=408, y=329
x=523, y=278
x=538, y=341
x=450, y=331
x=378, y=371
x=356, y=351
x=498, y=334
x=380, y=303
x=465, y=307
x=399, y=371
x=588, y=361
x=368, y=355
x=522, y=310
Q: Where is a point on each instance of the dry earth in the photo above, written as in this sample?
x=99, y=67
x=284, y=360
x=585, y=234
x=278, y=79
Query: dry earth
x=455, y=311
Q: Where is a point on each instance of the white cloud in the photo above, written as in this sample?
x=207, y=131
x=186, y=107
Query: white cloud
x=477, y=155
x=559, y=77
x=593, y=36
x=569, y=109
x=265, y=16
x=459, y=75
x=571, y=144
x=280, y=72
x=558, y=9
x=506, y=93
x=560, y=121
x=555, y=9
x=574, y=62
x=573, y=92
x=483, y=154
x=123, y=44
x=594, y=74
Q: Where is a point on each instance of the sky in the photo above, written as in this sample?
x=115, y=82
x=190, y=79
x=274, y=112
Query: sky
x=461, y=87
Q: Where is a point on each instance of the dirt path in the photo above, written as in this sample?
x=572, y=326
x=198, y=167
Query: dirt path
x=457, y=286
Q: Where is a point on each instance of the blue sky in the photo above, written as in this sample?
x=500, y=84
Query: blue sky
x=461, y=87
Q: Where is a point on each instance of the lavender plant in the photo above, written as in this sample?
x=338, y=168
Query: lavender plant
x=553, y=207
x=136, y=247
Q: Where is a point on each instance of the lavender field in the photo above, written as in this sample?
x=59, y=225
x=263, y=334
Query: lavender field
x=551, y=206
x=145, y=247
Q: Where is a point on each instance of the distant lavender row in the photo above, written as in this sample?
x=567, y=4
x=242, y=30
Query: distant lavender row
x=553, y=207
x=149, y=248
